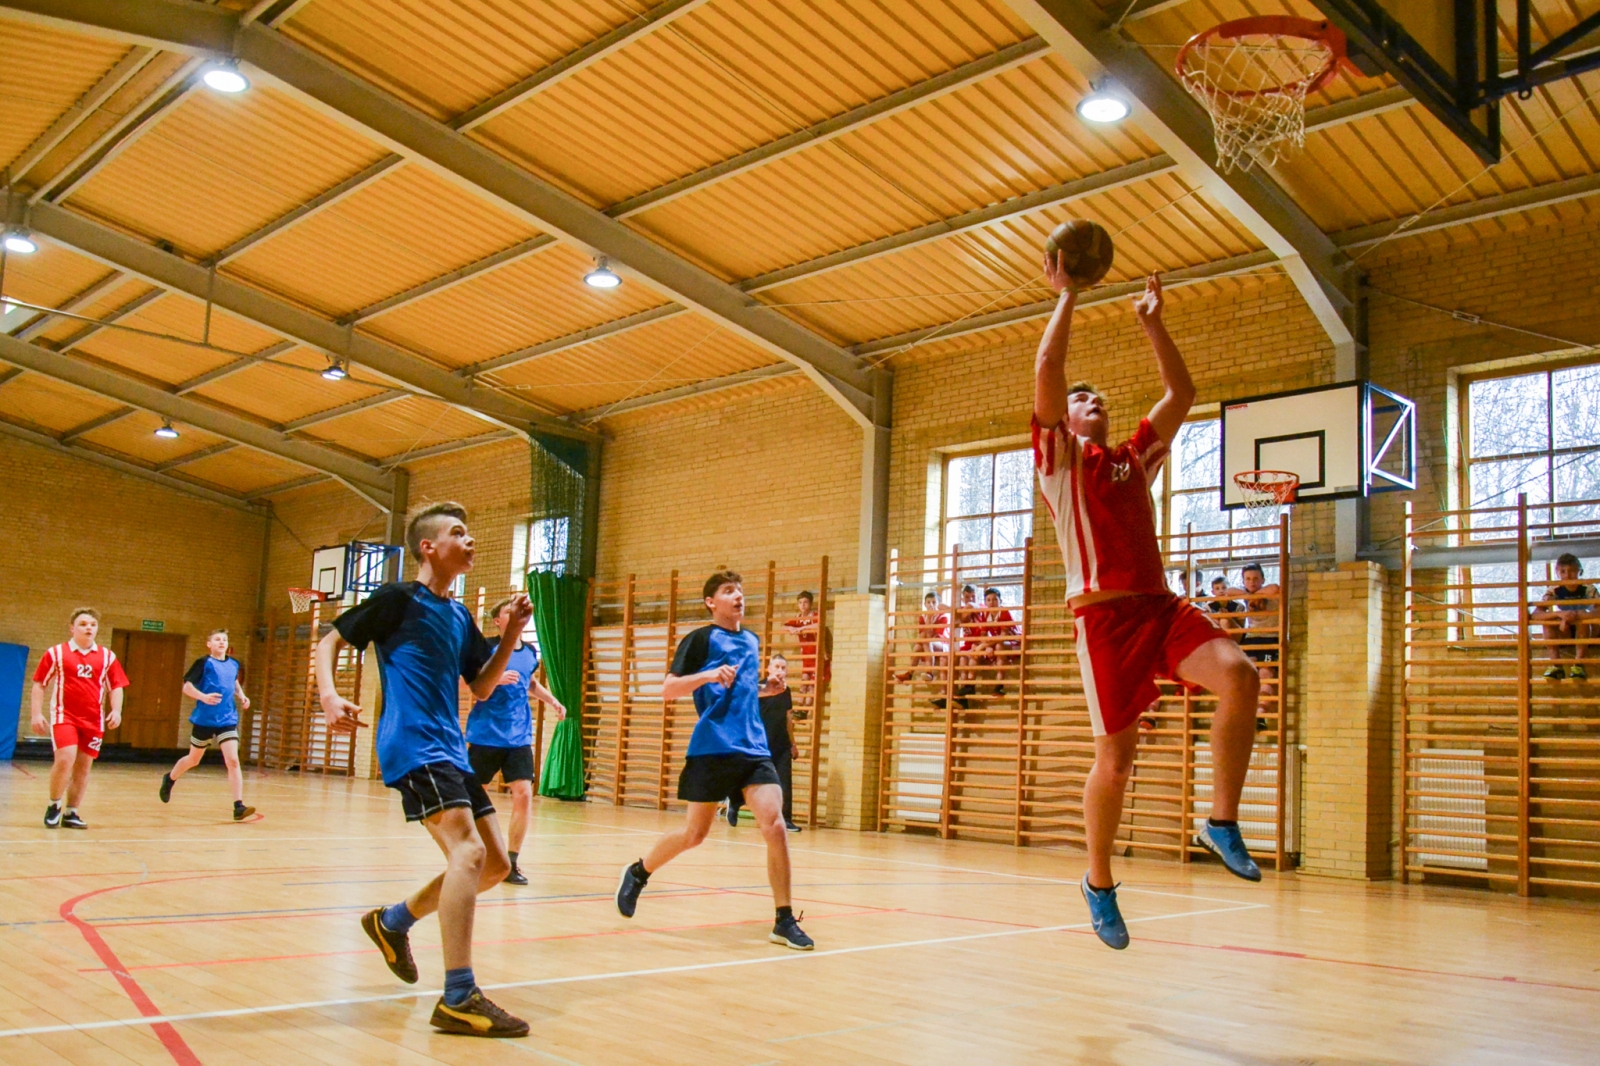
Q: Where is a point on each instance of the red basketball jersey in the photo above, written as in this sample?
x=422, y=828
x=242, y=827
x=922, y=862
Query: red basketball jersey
x=1100, y=501
x=82, y=680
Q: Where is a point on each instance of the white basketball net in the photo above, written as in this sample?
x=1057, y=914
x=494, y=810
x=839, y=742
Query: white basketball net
x=300, y=600
x=1266, y=493
x=1254, y=88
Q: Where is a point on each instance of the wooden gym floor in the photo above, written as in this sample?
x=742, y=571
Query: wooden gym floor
x=170, y=934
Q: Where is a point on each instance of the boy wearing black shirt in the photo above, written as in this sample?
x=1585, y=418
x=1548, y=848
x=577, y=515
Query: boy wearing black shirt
x=1564, y=620
x=776, y=709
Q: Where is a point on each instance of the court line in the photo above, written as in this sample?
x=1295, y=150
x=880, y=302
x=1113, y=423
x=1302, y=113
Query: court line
x=545, y=982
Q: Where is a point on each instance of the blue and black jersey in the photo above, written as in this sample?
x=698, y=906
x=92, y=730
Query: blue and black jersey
x=505, y=719
x=424, y=642
x=212, y=675
x=730, y=718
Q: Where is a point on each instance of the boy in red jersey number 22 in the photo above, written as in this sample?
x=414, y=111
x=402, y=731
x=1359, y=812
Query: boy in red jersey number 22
x=1131, y=629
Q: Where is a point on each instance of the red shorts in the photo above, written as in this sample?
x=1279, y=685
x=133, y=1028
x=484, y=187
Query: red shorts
x=81, y=735
x=1126, y=643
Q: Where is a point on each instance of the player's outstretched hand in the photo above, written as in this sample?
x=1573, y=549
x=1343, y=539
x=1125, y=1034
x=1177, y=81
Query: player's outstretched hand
x=1148, y=305
x=521, y=611
x=211, y=699
x=724, y=674
x=510, y=677
x=341, y=715
x=1056, y=274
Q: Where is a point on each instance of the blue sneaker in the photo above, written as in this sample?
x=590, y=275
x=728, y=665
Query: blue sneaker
x=1105, y=915
x=1227, y=844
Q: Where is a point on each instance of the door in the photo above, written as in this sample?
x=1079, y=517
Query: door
x=153, y=702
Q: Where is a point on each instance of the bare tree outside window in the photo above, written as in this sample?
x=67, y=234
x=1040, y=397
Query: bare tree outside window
x=988, y=507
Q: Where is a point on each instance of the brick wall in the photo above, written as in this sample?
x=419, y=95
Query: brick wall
x=90, y=536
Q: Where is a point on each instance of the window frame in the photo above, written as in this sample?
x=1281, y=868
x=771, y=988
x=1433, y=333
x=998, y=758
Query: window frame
x=993, y=450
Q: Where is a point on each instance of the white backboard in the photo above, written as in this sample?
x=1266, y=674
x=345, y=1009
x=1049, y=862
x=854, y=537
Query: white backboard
x=327, y=570
x=1315, y=433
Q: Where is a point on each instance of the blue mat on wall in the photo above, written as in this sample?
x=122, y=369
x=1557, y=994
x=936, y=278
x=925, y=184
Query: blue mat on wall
x=13, y=676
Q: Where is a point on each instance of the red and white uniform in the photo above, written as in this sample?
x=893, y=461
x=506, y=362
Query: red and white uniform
x=1105, y=523
x=83, y=679
x=990, y=630
x=805, y=630
x=934, y=631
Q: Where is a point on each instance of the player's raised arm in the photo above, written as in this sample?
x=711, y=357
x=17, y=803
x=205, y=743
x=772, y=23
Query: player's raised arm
x=1173, y=407
x=1050, y=366
x=489, y=678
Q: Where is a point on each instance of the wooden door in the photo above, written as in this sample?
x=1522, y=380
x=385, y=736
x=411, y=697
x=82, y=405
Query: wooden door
x=153, y=703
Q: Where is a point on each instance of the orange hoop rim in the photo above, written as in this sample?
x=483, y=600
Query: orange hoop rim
x=308, y=596
x=1275, y=26
x=1283, y=488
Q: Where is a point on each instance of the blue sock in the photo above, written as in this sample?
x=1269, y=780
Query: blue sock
x=398, y=918
x=458, y=985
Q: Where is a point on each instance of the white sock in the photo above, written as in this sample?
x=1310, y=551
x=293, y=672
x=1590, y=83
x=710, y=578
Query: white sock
x=70, y=810
x=57, y=803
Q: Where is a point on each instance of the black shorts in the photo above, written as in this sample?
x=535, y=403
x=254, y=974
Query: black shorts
x=512, y=764
x=203, y=736
x=713, y=778
x=1261, y=655
x=441, y=786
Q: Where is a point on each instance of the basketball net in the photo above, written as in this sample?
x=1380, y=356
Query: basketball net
x=300, y=600
x=1266, y=493
x=1252, y=76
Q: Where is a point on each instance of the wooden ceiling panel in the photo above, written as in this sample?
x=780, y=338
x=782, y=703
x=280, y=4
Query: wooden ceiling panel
x=43, y=71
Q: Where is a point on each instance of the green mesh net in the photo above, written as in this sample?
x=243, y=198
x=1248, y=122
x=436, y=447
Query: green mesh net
x=562, y=538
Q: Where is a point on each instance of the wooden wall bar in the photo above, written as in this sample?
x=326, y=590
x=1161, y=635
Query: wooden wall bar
x=1501, y=761
x=994, y=743
x=634, y=742
x=285, y=728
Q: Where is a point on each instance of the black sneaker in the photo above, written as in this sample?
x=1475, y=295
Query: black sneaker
x=788, y=933
x=516, y=876
x=70, y=820
x=52, y=816
x=476, y=1017
x=241, y=812
x=791, y=827
x=166, y=788
x=396, y=947
x=629, y=887
x=733, y=816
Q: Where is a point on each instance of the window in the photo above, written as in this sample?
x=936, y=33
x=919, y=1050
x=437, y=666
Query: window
x=1537, y=434
x=988, y=507
x=538, y=544
x=1189, y=498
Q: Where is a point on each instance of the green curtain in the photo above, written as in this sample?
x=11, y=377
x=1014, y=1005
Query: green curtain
x=559, y=603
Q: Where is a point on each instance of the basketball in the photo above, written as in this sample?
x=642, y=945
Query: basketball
x=1085, y=248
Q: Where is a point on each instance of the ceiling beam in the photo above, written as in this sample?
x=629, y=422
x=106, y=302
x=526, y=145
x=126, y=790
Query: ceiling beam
x=699, y=388
x=1182, y=129
x=364, y=478
x=196, y=456
x=657, y=17
x=364, y=404
x=614, y=328
x=114, y=79
x=73, y=305
x=178, y=275
x=361, y=106
x=244, y=362
x=453, y=446
x=1171, y=279
x=1143, y=9
x=124, y=466
x=9, y=373
x=89, y=329
x=1481, y=210
x=83, y=428
x=287, y=486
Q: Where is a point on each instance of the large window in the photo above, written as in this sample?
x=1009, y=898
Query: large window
x=538, y=544
x=988, y=507
x=1188, y=500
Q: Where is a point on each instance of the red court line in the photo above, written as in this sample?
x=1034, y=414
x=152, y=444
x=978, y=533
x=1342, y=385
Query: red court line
x=176, y=1046
x=637, y=931
x=21, y=769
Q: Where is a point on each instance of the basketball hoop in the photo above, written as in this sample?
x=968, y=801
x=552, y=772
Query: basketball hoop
x=300, y=600
x=1252, y=76
x=1266, y=493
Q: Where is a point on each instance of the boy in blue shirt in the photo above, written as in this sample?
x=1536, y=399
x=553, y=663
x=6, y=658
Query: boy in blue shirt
x=213, y=683
x=500, y=734
x=425, y=641
x=728, y=752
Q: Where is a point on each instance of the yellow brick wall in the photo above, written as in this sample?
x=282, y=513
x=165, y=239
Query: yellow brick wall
x=90, y=536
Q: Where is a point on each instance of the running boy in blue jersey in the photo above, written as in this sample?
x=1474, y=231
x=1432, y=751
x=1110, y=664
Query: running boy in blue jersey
x=500, y=734
x=213, y=683
x=425, y=641
x=721, y=665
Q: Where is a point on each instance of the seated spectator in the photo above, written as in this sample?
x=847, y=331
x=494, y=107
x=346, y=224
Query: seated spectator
x=804, y=625
x=1260, y=628
x=1231, y=612
x=996, y=639
x=932, y=648
x=1568, y=622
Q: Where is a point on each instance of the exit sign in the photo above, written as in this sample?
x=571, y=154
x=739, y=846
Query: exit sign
x=153, y=625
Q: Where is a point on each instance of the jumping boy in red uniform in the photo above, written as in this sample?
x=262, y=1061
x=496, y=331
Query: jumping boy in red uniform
x=84, y=673
x=1130, y=627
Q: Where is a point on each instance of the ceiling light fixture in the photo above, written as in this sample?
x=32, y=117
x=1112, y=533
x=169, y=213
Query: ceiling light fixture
x=1102, y=105
x=224, y=77
x=336, y=371
x=17, y=240
x=166, y=432
x=602, y=276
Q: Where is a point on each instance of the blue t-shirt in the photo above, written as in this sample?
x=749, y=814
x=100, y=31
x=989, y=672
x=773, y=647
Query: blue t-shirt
x=424, y=644
x=505, y=720
x=209, y=674
x=730, y=718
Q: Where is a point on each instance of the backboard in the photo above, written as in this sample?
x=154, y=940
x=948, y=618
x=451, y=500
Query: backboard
x=1448, y=54
x=1344, y=441
x=349, y=573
